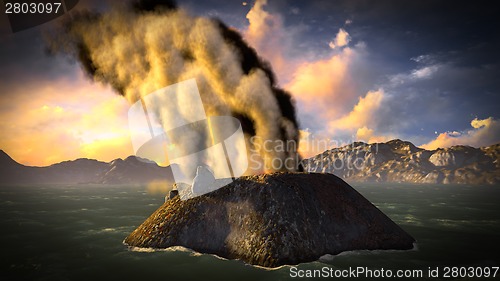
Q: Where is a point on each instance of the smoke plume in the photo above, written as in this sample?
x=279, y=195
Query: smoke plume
x=153, y=44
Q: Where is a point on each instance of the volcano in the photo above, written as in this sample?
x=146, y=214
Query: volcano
x=272, y=220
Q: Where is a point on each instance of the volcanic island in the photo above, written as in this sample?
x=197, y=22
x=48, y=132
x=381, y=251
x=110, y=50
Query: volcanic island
x=271, y=220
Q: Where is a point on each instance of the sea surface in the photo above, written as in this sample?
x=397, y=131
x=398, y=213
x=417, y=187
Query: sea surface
x=76, y=232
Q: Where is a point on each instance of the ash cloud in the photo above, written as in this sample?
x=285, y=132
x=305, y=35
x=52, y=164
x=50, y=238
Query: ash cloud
x=152, y=44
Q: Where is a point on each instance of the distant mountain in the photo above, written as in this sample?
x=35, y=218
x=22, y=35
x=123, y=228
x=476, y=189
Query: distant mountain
x=401, y=161
x=132, y=170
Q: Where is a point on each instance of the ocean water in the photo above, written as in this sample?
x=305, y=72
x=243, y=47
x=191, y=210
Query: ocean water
x=76, y=233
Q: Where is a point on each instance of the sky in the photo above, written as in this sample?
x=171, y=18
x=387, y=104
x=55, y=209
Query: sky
x=422, y=71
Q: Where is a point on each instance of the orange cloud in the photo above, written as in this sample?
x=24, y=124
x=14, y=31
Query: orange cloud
x=325, y=86
x=362, y=114
x=367, y=135
x=484, y=132
x=267, y=34
x=341, y=40
x=355, y=124
x=54, y=121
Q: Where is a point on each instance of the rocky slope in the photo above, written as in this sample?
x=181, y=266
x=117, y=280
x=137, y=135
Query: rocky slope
x=401, y=161
x=132, y=170
x=271, y=220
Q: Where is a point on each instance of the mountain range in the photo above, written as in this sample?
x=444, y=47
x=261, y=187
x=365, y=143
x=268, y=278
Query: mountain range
x=401, y=161
x=132, y=170
x=393, y=161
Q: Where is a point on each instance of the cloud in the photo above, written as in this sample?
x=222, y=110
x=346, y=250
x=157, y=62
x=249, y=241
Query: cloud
x=325, y=86
x=294, y=11
x=356, y=125
x=363, y=120
x=484, y=132
x=368, y=135
x=416, y=75
x=438, y=94
x=67, y=118
x=363, y=112
x=341, y=40
x=424, y=72
x=333, y=86
x=266, y=33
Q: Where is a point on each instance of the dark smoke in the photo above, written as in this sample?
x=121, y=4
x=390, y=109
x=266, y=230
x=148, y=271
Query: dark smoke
x=75, y=40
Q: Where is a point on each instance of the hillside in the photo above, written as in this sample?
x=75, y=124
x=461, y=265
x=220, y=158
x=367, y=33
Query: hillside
x=132, y=170
x=401, y=161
